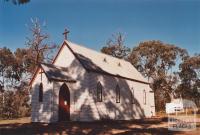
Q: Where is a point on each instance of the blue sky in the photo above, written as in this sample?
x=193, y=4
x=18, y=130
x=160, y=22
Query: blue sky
x=91, y=22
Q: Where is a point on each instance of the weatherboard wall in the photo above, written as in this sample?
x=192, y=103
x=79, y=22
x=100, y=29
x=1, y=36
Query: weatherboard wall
x=83, y=100
x=41, y=111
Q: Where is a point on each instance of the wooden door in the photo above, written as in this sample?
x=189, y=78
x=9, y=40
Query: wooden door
x=64, y=103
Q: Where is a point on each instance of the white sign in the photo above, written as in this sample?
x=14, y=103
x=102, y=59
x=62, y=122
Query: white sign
x=182, y=117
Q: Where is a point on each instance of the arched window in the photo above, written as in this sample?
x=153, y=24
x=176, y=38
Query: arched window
x=99, y=92
x=41, y=92
x=117, y=89
x=132, y=96
x=144, y=97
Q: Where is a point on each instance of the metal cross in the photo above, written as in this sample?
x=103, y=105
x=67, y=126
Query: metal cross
x=65, y=34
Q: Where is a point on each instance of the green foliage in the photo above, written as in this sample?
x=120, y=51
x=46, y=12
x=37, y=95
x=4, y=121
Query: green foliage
x=8, y=70
x=190, y=78
x=155, y=60
x=13, y=97
x=16, y=70
x=14, y=104
x=13, y=66
x=18, y=2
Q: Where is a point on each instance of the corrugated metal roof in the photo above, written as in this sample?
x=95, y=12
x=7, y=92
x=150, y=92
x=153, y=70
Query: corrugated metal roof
x=56, y=73
x=100, y=62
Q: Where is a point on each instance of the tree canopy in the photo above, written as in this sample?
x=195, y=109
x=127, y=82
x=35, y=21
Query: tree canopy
x=155, y=58
x=16, y=69
x=18, y=2
x=190, y=78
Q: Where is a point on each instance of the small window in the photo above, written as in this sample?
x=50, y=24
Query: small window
x=41, y=92
x=144, y=97
x=117, y=94
x=104, y=60
x=99, y=92
x=132, y=96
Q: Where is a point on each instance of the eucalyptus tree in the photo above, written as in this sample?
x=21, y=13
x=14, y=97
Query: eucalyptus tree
x=158, y=62
x=190, y=78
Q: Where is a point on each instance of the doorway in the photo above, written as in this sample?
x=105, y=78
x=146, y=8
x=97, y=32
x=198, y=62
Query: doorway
x=64, y=103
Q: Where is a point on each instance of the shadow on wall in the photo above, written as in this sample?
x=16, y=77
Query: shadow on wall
x=42, y=111
x=84, y=97
x=108, y=108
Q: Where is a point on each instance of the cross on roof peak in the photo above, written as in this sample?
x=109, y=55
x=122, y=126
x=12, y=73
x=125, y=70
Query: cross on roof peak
x=65, y=33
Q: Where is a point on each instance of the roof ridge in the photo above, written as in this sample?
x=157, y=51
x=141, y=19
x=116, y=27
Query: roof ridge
x=98, y=52
x=96, y=62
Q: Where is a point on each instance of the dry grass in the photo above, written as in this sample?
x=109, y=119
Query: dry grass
x=149, y=126
x=163, y=114
x=16, y=121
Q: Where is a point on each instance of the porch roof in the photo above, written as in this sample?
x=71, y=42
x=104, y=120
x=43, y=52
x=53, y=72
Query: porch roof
x=56, y=73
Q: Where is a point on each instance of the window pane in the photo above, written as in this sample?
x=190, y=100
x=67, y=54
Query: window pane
x=99, y=92
x=132, y=96
x=41, y=92
x=117, y=94
x=144, y=97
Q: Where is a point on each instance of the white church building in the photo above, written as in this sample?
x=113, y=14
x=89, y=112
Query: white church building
x=85, y=85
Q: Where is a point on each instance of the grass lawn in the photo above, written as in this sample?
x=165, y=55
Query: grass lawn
x=144, y=127
x=16, y=121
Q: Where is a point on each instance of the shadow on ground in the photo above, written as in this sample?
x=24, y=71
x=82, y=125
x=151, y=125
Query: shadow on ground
x=141, y=127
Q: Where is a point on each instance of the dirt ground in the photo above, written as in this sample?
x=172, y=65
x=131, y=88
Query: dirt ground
x=153, y=126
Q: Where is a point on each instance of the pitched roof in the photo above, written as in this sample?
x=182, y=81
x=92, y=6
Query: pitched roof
x=100, y=62
x=56, y=73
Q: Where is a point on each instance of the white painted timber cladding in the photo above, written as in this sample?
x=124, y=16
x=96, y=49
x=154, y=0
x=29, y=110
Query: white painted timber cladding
x=125, y=110
x=83, y=105
x=41, y=111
